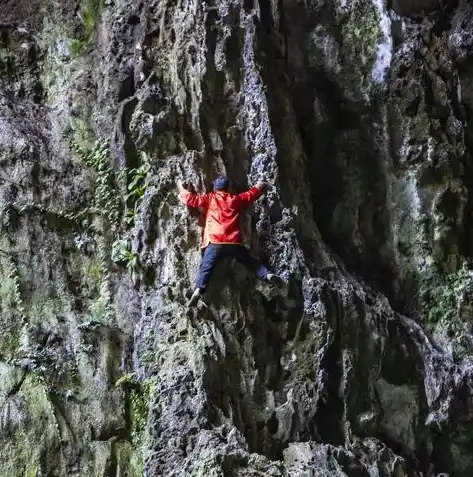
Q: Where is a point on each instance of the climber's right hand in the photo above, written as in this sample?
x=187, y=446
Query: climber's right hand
x=261, y=186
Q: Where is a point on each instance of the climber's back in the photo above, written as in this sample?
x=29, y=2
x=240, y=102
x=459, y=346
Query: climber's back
x=222, y=211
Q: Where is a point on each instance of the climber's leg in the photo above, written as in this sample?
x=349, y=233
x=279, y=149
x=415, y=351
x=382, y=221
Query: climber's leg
x=210, y=258
x=242, y=255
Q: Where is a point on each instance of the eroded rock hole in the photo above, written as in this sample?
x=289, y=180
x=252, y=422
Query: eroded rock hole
x=273, y=424
x=133, y=20
x=329, y=416
x=127, y=87
x=248, y=5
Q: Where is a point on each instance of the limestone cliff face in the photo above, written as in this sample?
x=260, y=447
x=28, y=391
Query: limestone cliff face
x=358, y=116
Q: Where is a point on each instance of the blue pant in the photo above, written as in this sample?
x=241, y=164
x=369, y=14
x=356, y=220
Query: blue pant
x=214, y=252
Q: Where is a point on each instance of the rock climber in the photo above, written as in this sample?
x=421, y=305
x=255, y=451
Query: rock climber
x=222, y=236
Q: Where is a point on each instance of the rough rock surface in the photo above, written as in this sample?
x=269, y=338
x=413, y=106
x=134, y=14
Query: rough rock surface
x=358, y=116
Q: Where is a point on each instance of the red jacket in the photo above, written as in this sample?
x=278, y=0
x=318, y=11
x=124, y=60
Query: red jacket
x=222, y=213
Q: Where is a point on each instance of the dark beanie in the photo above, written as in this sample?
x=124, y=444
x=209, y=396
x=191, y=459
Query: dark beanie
x=221, y=183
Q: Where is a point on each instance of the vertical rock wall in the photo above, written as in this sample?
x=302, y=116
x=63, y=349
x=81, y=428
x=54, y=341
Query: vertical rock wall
x=357, y=116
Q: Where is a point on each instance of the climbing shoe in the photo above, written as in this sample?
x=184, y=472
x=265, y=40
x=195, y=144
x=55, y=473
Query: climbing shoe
x=194, y=298
x=273, y=279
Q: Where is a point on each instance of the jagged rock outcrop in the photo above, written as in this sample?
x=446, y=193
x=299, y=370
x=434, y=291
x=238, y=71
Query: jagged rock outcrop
x=358, y=118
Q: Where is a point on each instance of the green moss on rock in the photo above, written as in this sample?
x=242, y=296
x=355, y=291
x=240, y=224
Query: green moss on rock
x=361, y=33
x=34, y=435
x=129, y=460
x=89, y=15
x=11, y=309
x=138, y=398
x=140, y=405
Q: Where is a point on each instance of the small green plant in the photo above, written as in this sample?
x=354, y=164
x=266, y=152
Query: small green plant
x=121, y=253
x=14, y=276
x=136, y=188
x=441, y=300
x=106, y=201
x=126, y=380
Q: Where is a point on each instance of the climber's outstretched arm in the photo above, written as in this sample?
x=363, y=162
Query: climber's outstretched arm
x=192, y=200
x=252, y=194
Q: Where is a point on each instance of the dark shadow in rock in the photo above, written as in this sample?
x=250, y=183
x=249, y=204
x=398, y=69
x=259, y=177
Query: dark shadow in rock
x=418, y=9
x=441, y=449
x=123, y=152
x=295, y=305
x=330, y=409
x=127, y=87
x=148, y=276
x=399, y=367
x=62, y=225
x=465, y=72
x=343, y=151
